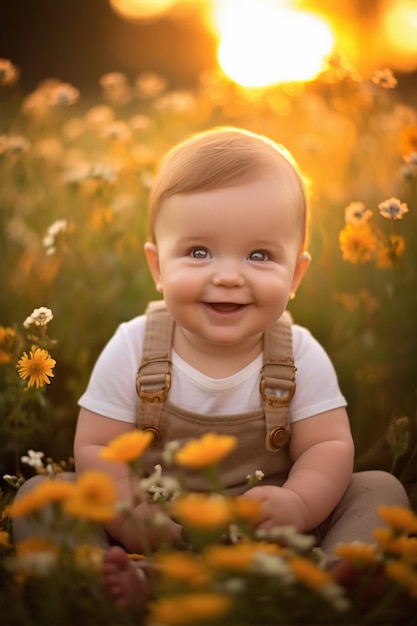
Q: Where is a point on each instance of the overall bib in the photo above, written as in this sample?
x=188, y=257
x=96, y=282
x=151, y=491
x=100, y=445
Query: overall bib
x=263, y=434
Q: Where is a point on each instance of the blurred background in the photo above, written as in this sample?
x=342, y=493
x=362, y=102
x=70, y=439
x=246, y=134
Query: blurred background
x=77, y=41
x=93, y=92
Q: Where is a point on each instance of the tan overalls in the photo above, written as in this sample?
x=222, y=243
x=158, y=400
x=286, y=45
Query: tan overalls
x=263, y=434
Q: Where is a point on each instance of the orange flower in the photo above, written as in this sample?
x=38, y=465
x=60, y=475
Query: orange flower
x=93, y=498
x=309, y=573
x=389, y=251
x=201, y=511
x=4, y=539
x=37, y=367
x=383, y=536
x=400, y=518
x=404, y=575
x=7, y=338
x=245, y=509
x=238, y=556
x=180, y=610
x=405, y=547
x=357, y=553
x=207, y=450
x=127, y=447
x=357, y=243
x=89, y=556
x=409, y=139
x=45, y=493
x=184, y=567
x=35, y=544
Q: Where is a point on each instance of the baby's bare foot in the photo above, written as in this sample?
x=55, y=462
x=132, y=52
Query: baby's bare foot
x=125, y=582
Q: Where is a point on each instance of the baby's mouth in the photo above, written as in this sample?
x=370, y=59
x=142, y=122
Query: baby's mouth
x=225, y=307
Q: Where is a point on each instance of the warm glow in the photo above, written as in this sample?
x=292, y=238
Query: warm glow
x=137, y=10
x=400, y=26
x=262, y=42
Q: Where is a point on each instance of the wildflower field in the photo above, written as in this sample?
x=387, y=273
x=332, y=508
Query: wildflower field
x=74, y=181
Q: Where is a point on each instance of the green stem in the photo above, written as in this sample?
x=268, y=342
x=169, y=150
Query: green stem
x=16, y=438
x=410, y=463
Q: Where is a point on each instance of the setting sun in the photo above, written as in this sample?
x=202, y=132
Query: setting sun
x=263, y=42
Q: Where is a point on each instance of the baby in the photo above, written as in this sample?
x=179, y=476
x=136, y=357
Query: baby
x=227, y=250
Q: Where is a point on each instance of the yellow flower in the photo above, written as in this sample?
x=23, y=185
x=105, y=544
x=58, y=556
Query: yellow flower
x=202, y=511
x=403, y=574
x=37, y=367
x=4, y=539
x=400, y=518
x=404, y=546
x=35, y=544
x=7, y=337
x=409, y=139
x=246, y=510
x=185, y=609
x=127, y=447
x=207, y=450
x=357, y=553
x=43, y=494
x=94, y=497
x=389, y=251
x=183, y=567
x=89, y=556
x=238, y=556
x=4, y=357
x=309, y=573
x=383, y=536
x=357, y=243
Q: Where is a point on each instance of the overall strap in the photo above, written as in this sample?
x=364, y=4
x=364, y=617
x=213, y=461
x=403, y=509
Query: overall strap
x=277, y=385
x=277, y=382
x=153, y=379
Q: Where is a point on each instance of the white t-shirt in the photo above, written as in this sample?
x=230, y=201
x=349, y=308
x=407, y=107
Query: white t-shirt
x=111, y=391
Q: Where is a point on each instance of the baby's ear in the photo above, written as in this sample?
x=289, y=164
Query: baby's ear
x=152, y=256
x=303, y=262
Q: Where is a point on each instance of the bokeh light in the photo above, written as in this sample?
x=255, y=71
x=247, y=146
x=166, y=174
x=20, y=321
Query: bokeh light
x=263, y=42
x=139, y=10
x=399, y=24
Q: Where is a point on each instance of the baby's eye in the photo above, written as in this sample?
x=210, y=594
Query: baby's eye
x=199, y=253
x=258, y=255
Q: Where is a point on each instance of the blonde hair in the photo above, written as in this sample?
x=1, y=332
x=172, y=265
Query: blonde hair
x=220, y=158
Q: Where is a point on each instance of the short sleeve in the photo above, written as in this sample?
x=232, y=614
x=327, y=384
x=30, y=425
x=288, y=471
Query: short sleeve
x=111, y=390
x=317, y=387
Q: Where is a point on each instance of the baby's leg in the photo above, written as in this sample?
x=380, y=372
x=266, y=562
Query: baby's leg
x=125, y=581
x=356, y=515
x=25, y=527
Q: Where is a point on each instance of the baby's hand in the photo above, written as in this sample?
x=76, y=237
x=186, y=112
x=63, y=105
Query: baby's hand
x=280, y=507
x=147, y=531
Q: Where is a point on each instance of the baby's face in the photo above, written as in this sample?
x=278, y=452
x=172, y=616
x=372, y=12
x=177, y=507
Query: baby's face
x=228, y=259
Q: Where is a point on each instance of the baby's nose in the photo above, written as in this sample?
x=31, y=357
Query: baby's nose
x=228, y=274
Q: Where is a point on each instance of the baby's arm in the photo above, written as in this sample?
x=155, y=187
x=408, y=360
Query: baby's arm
x=322, y=452
x=93, y=433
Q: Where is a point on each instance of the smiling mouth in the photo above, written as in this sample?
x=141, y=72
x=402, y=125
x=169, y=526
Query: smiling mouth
x=225, y=307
